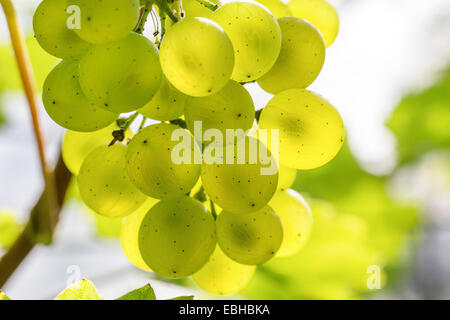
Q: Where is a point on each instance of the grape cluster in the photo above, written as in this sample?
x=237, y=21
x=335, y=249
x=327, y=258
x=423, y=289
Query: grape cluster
x=214, y=220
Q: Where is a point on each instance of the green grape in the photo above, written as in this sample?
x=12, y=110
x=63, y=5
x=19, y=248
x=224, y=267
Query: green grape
x=296, y=218
x=167, y=104
x=51, y=31
x=286, y=177
x=177, y=237
x=197, y=57
x=243, y=184
x=252, y=238
x=67, y=105
x=129, y=234
x=255, y=35
x=276, y=7
x=192, y=8
x=230, y=108
x=311, y=131
x=151, y=165
x=77, y=145
x=106, y=21
x=301, y=58
x=104, y=185
x=121, y=76
x=321, y=14
x=222, y=275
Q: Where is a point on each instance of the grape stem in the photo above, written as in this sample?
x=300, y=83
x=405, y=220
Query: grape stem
x=208, y=4
x=124, y=124
x=164, y=7
x=145, y=11
x=162, y=18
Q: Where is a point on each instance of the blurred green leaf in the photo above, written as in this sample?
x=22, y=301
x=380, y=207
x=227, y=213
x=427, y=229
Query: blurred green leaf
x=9, y=229
x=4, y=296
x=83, y=290
x=421, y=122
x=183, y=298
x=144, y=293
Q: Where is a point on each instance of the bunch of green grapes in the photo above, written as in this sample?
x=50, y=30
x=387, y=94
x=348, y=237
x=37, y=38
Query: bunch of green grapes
x=200, y=193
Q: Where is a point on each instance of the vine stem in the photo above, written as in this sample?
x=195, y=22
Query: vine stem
x=163, y=6
x=143, y=19
x=208, y=4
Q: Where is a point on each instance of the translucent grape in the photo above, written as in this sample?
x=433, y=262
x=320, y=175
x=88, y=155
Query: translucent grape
x=311, y=130
x=151, y=166
x=121, y=76
x=77, y=145
x=129, y=234
x=301, y=58
x=252, y=238
x=276, y=7
x=241, y=184
x=255, y=35
x=67, y=105
x=193, y=8
x=222, y=275
x=230, y=108
x=296, y=218
x=51, y=31
x=286, y=177
x=167, y=104
x=177, y=237
x=197, y=57
x=321, y=14
x=104, y=185
x=106, y=21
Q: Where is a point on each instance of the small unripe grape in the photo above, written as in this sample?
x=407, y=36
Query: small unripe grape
x=222, y=275
x=255, y=35
x=296, y=218
x=230, y=108
x=51, y=31
x=252, y=238
x=197, y=57
x=311, y=131
x=177, y=237
x=301, y=57
x=123, y=75
x=106, y=21
x=67, y=105
x=104, y=185
x=321, y=14
x=151, y=166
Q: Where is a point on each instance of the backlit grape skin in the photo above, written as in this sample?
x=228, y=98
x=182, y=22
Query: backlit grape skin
x=177, y=237
x=67, y=105
x=252, y=238
x=121, y=76
x=104, y=185
x=311, y=131
x=197, y=57
x=301, y=57
x=255, y=35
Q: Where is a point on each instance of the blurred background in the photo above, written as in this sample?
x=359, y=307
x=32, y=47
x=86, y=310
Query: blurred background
x=383, y=204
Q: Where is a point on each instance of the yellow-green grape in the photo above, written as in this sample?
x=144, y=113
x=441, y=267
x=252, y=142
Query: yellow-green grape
x=129, y=234
x=106, y=21
x=51, y=30
x=177, y=237
x=243, y=183
x=167, y=104
x=67, y=105
x=311, y=131
x=296, y=218
x=192, y=8
x=77, y=145
x=104, y=185
x=121, y=76
x=276, y=7
x=197, y=57
x=222, y=275
x=230, y=108
x=321, y=14
x=301, y=58
x=286, y=177
x=255, y=35
x=157, y=165
x=252, y=238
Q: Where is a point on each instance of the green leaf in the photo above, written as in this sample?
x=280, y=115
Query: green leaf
x=83, y=290
x=183, y=298
x=421, y=122
x=144, y=293
x=9, y=229
x=4, y=296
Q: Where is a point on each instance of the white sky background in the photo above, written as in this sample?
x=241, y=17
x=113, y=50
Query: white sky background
x=385, y=48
